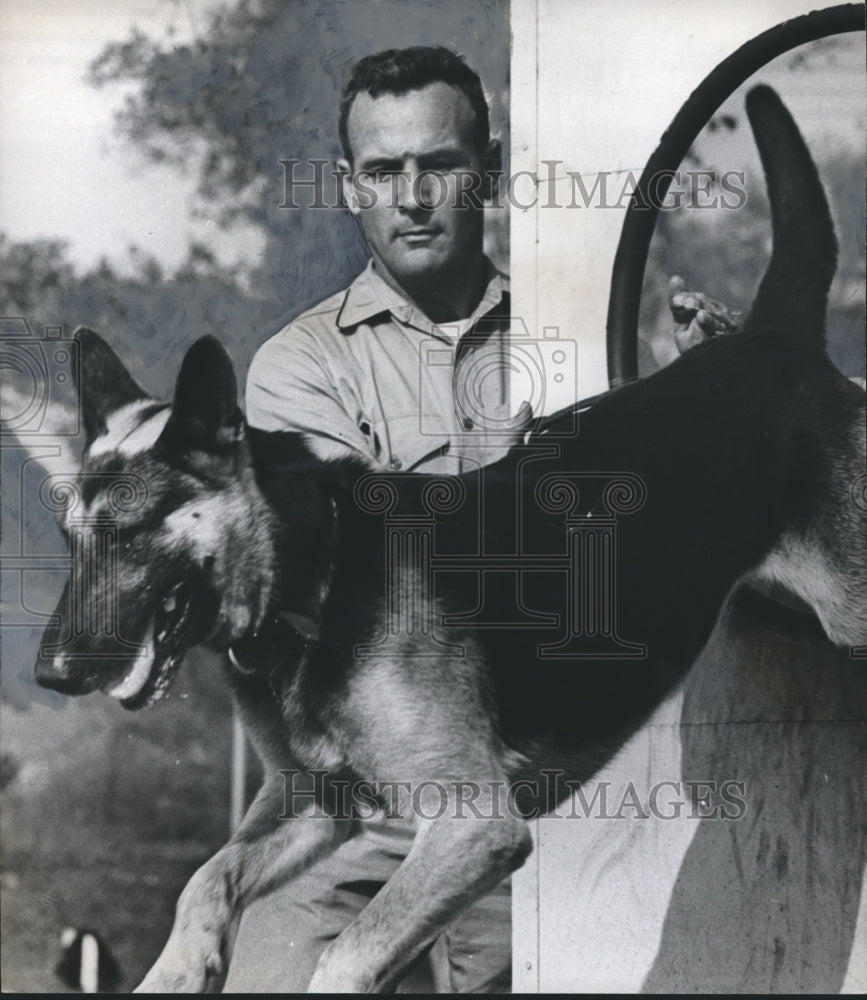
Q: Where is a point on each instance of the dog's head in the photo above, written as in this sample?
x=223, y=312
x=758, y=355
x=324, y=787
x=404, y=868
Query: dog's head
x=169, y=535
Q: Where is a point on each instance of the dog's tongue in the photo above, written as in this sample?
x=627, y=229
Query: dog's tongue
x=137, y=676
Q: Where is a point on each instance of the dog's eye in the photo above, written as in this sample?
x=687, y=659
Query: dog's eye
x=169, y=604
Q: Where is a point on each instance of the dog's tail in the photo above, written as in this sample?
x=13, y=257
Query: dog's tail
x=793, y=294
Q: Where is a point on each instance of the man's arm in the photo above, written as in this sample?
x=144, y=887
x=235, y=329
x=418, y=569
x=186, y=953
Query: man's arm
x=290, y=389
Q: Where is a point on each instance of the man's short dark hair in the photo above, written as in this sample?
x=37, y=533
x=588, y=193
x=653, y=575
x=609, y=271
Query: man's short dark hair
x=397, y=71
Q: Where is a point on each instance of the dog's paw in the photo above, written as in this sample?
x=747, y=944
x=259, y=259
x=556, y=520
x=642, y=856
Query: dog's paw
x=180, y=981
x=342, y=968
x=187, y=970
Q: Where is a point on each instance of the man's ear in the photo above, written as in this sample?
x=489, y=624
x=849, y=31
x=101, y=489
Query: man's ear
x=492, y=168
x=205, y=414
x=104, y=384
x=347, y=185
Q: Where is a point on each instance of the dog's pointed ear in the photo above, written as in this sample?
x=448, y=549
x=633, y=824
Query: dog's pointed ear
x=104, y=384
x=205, y=413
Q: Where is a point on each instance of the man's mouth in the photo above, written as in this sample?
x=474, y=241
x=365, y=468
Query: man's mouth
x=418, y=236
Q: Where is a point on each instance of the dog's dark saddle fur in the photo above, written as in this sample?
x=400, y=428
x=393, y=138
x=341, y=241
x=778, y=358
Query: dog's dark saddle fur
x=482, y=655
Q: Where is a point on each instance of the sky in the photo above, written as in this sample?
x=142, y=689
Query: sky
x=64, y=171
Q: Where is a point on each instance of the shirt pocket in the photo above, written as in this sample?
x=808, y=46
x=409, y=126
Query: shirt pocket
x=406, y=445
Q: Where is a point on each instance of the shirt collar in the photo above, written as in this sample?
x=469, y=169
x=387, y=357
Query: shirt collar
x=369, y=295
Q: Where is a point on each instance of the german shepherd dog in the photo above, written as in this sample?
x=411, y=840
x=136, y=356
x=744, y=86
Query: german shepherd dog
x=741, y=459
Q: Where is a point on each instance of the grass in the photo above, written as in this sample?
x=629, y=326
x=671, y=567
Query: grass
x=124, y=890
x=105, y=814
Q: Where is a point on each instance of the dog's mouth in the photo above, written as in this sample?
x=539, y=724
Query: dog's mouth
x=174, y=629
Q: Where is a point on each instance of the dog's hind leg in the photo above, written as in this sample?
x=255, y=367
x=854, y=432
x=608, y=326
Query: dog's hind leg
x=454, y=860
x=265, y=852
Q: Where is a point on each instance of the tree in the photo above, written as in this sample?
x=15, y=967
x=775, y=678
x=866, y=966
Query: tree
x=33, y=276
x=261, y=85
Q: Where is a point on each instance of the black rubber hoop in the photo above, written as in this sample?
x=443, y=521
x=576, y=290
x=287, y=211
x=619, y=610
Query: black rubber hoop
x=631, y=257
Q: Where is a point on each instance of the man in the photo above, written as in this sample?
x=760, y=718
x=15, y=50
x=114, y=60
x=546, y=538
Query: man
x=407, y=368
x=353, y=371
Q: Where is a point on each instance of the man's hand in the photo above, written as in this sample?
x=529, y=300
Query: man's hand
x=520, y=423
x=508, y=431
x=697, y=317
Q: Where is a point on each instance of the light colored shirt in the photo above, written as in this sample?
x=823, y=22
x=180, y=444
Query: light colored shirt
x=367, y=373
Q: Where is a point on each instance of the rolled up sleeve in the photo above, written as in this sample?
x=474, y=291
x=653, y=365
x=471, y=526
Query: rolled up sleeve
x=289, y=388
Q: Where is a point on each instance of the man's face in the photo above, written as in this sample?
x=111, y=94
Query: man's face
x=412, y=156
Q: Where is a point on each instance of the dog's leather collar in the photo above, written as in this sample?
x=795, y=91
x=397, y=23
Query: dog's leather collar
x=284, y=636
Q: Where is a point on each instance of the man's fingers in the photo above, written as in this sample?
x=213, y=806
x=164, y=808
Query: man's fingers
x=703, y=326
x=677, y=299
x=707, y=321
x=714, y=318
x=522, y=417
x=684, y=306
x=519, y=425
x=697, y=317
x=676, y=284
x=690, y=307
x=688, y=336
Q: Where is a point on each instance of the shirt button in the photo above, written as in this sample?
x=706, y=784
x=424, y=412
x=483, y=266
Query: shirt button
x=468, y=424
x=396, y=463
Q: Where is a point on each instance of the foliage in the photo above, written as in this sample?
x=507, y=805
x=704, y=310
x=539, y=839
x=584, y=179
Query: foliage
x=261, y=84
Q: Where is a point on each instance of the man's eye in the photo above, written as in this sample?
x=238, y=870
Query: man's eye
x=446, y=167
x=383, y=174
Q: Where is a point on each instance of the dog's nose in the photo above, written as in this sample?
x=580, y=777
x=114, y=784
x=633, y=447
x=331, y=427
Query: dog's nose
x=54, y=670
x=49, y=670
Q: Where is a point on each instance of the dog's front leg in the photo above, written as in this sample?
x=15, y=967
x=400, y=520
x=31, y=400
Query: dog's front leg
x=264, y=853
x=453, y=861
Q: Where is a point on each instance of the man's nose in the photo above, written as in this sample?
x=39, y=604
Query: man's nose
x=419, y=191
